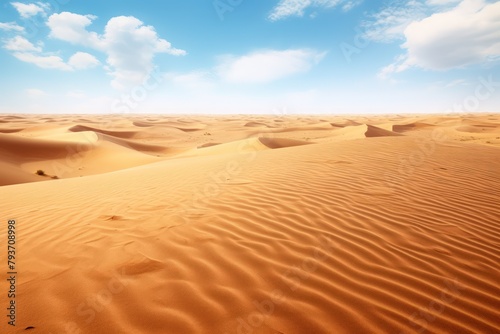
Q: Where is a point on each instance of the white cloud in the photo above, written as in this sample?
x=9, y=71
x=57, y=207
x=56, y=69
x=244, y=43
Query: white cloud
x=389, y=24
x=47, y=62
x=130, y=45
x=11, y=26
x=286, y=8
x=267, y=66
x=82, y=60
x=25, y=51
x=72, y=28
x=466, y=34
x=21, y=44
x=35, y=93
x=28, y=10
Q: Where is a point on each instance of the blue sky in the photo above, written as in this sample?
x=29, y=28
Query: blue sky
x=242, y=56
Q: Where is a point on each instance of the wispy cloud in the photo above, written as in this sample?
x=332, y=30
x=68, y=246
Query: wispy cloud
x=441, y=85
x=457, y=82
x=76, y=94
x=348, y=5
x=20, y=44
x=27, y=52
x=11, y=26
x=192, y=80
x=400, y=64
x=46, y=62
x=287, y=8
x=388, y=25
x=35, y=93
x=267, y=66
x=28, y=10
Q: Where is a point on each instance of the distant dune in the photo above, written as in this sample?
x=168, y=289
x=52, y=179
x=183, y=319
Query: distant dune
x=253, y=224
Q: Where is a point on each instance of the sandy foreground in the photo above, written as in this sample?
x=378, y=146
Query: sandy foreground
x=251, y=224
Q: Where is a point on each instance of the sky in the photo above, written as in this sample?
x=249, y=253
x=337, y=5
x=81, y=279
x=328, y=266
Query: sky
x=249, y=57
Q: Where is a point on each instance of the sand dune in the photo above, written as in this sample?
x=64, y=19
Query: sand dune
x=480, y=128
x=28, y=149
x=345, y=123
x=410, y=126
x=119, y=134
x=73, y=154
x=256, y=124
x=340, y=229
x=373, y=131
x=10, y=130
x=13, y=174
x=281, y=143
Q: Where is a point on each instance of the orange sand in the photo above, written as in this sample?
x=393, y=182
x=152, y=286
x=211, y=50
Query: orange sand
x=252, y=224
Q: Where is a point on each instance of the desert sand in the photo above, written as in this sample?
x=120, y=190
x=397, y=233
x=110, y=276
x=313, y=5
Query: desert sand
x=252, y=224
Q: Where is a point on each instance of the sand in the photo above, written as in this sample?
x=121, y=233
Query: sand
x=252, y=224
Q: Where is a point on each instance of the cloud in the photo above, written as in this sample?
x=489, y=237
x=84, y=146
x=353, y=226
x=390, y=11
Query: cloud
x=192, y=80
x=389, y=24
x=78, y=61
x=28, y=10
x=11, y=26
x=82, y=60
x=457, y=82
x=21, y=44
x=25, y=51
x=35, y=93
x=76, y=94
x=466, y=34
x=348, y=5
x=129, y=45
x=441, y=2
x=47, y=62
x=72, y=28
x=444, y=85
x=286, y=8
x=267, y=66
x=400, y=64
